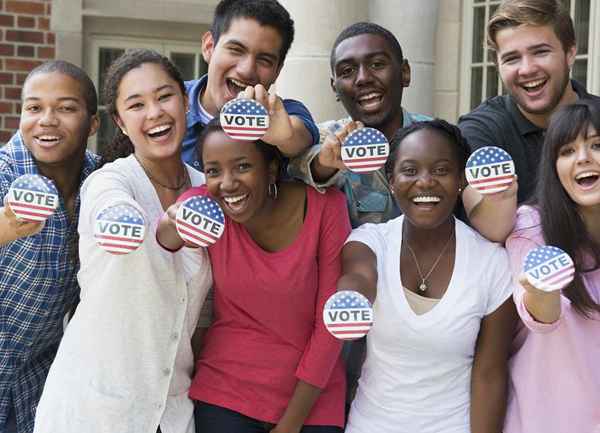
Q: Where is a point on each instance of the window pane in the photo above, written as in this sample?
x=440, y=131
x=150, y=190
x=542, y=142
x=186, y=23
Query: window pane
x=582, y=25
x=492, y=82
x=476, y=85
x=105, y=57
x=580, y=71
x=106, y=132
x=185, y=63
x=478, y=29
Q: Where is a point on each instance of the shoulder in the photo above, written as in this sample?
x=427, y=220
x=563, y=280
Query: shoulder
x=294, y=107
x=191, y=85
x=491, y=112
x=475, y=242
x=391, y=229
x=120, y=171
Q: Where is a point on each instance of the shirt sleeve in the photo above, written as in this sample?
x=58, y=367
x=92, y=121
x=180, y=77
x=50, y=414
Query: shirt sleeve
x=299, y=168
x=369, y=235
x=501, y=282
x=478, y=131
x=525, y=237
x=323, y=350
x=295, y=108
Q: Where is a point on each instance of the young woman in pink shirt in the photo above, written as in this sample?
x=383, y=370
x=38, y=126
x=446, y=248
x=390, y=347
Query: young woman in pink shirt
x=555, y=370
x=268, y=365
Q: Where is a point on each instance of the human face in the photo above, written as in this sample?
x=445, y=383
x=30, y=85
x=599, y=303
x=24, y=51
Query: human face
x=151, y=111
x=369, y=80
x=237, y=175
x=578, y=168
x=534, y=67
x=55, y=123
x=246, y=55
x=426, y=178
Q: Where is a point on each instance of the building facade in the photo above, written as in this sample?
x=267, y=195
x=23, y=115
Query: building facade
x=444, y=41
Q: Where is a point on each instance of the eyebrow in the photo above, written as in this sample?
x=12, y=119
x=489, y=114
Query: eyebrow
x=158, y=89
x=273, y=57
x=368, y=57
x=531, y=48
x=62, y=98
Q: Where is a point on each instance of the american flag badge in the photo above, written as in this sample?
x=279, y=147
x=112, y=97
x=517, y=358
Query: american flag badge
x=33, y=198
x=119, y=229
x=365, y=150
x=490, y=170
x=200, y=221
x=348, y=315
x=548, y=268
x=244, y=119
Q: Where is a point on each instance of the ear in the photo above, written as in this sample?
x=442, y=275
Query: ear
x=273, y=170
x=405, y=73
x=94, y=124
x=119, y=123
x=208, y=46
x=571, y=53
x=332, y=84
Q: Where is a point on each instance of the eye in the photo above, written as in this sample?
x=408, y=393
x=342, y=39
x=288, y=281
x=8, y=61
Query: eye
x=378, y=64
x=541, y=52
x=32, y=108
x=135, y=106
x=211, y=171
x=244, y=166
x=68, y=108
x=235, y=50
x=566, y=151
x=265, y=61
x=346, y=71
x=440, y=171
x=510, y=60
x=408, y=171
x=165, y=96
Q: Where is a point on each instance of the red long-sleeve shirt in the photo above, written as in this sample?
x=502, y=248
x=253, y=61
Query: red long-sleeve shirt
x=268, y=331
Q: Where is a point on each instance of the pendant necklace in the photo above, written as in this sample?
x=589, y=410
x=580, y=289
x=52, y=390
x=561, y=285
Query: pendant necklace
x=423, y=286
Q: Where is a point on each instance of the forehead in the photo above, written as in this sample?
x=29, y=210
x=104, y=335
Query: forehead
x=521, y=38
x=145, y=78
x=361, y=46
x=52, y=85
x=427, y=146
x=217, y=146
x=252, y=34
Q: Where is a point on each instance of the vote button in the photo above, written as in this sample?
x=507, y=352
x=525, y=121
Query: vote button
x=119, y=229
x=548, y=268
x=244, y=119
x=33, y=198
x=365, y=150
x=200, y=221
x=490, y=170
x=348, y=315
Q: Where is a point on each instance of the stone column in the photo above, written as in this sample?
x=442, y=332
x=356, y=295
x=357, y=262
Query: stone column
x=414, y=23
x=306, y=74
x=67, y=23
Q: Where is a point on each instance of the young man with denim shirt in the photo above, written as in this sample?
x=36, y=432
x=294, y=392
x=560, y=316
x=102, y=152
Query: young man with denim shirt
x=245, y=50
x=38, y=284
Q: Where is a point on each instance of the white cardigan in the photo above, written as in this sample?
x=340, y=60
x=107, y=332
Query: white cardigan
x=125, y=363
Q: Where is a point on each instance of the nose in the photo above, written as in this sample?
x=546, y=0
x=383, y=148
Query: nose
x=155, y=110
x=363, y=75
x=527, y=65
x=49, y=118
x=228, y=182
x=246, y=68
x=425, y=179
x=582, y=153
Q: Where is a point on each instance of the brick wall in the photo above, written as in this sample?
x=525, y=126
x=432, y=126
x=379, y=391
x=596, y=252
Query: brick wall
x=25, y=42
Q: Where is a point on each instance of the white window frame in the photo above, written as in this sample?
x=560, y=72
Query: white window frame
x=593, y=55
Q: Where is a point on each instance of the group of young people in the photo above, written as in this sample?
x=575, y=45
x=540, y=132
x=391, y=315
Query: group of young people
x=177, y=339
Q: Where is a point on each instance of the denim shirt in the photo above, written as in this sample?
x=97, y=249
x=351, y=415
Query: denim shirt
x=368, y=195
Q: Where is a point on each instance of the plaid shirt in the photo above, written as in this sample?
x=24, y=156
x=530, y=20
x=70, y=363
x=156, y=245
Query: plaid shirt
x=37, y=287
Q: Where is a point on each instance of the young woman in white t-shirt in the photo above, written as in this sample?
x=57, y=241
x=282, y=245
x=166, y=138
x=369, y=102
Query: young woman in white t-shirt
x=438, y=349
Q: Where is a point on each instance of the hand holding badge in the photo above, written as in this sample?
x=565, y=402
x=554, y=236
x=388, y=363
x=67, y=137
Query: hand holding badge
x=32, y=198
x=200, y=221
x=119, y=229
x=365, y=150
x=244, y=119
x=548, y=268
x=490, y=170
x=348, y=315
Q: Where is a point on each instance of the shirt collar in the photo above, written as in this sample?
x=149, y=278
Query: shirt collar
x=195, y=113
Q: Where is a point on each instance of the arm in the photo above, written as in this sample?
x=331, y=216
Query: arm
x=304, y=397
x=490, y=369
x=166, y=231
x=492, y=215
x=359, y=265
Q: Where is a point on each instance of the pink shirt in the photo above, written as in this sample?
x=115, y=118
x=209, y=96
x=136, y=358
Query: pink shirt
x=268, y=330
x=555, y=369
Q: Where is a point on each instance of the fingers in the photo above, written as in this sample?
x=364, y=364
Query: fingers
x=530, y=287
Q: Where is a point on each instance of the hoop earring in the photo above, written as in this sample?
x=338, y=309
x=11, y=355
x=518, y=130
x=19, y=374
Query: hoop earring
x=272, y=190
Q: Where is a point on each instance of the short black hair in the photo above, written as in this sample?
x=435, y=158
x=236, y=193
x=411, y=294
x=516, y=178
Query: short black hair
x=461, y=148
x=364, y=28
x=267, y=12
x=88, y=89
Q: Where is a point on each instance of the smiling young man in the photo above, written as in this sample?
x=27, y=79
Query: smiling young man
x=534, y=42
x=38, y=283
x=369, y=74
x=245, y=50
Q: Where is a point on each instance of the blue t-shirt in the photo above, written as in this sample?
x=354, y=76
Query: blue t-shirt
x=197, y=117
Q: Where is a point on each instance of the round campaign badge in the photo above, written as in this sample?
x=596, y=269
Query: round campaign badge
x=365, y=150
x=32, y=198
x=119, y=229
x=244, y=119
x=548, y=268
x=200, y=221
x=348, y=315
x=490, y=170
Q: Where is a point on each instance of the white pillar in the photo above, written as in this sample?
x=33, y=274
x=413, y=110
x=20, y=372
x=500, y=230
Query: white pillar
x=306, y=73
x=414, y=23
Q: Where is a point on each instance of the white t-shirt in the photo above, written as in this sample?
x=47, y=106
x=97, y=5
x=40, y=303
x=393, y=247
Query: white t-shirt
x=417, y=374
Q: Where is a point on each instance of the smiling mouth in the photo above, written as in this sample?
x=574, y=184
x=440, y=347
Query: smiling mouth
x=48, y=140
x=587, y=179
x=370, y=101
x=236, y=86
x=159, y=131
x=534, y=86
x=235, y=203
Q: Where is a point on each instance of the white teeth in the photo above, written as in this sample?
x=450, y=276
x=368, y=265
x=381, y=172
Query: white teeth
x=158, y=129
x=533, y=84
x=586, y=174
x=235, y=199
x=426, y=199
x=239, y=83
x=48, y=137
x=369, y=97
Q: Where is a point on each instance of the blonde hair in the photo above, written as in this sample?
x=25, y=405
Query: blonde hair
x=514, y=13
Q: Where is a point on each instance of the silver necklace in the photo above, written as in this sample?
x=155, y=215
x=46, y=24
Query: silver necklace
x=172, y=188
x=423, y=285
